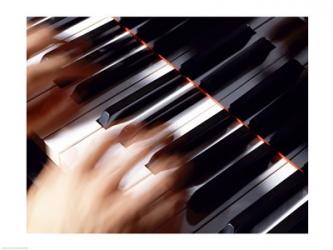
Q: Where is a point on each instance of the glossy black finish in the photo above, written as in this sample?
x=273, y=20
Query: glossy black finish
x=267, y=90
x=232, y=179
x=247, y=59
x=224, y=47
x=269, y=202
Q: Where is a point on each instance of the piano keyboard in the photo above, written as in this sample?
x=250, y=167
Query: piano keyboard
x=233, y=92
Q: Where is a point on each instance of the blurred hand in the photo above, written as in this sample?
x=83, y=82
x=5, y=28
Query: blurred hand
x=56, y=106
x=87, y=198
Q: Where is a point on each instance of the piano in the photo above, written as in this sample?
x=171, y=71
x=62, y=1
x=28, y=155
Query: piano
x=234, y=92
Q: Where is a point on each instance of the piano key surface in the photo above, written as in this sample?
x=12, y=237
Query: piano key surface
x=247, y=66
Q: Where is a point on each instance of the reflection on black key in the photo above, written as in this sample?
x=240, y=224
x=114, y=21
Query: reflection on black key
x=244, y=61
x=173, y=108
x=211, y=56
x=231, y=180
x=109, y=77
x=131, y=22
x=189, y=141
x=267, y=90
x=157, y=26
x=267, y=203
x=217, y=155
x=140, y=99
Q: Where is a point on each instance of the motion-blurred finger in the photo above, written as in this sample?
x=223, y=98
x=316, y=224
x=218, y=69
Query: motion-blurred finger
x=137, y=152
x=39, y=39
x=104, y=142
x=51, y=111
x=44, y=72
x=161, y=212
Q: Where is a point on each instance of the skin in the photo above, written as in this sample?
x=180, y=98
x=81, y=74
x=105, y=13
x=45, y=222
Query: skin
x=57, y=107
x=86, y=198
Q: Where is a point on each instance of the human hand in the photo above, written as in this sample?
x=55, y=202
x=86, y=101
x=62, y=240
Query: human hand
x=56, y=106
x=88, y=198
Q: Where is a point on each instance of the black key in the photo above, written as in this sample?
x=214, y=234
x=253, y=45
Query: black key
x=216, y=31
x=197, y=34
x=278, y=112
x=231, y=180
x=36, y=159
x=247, y=59
x=109, y=77
x=217, y=155
x=182, y=35
x=131, y=22
x=291, y=134
x=211, y=56
x=102, y=57
x=140, y=99
x=187, y=142
x=173, y=40
x=173, y=108
x=296, y=222
x=267, y=90
x=204, y=39
x=246, y=220
x=157, y=26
